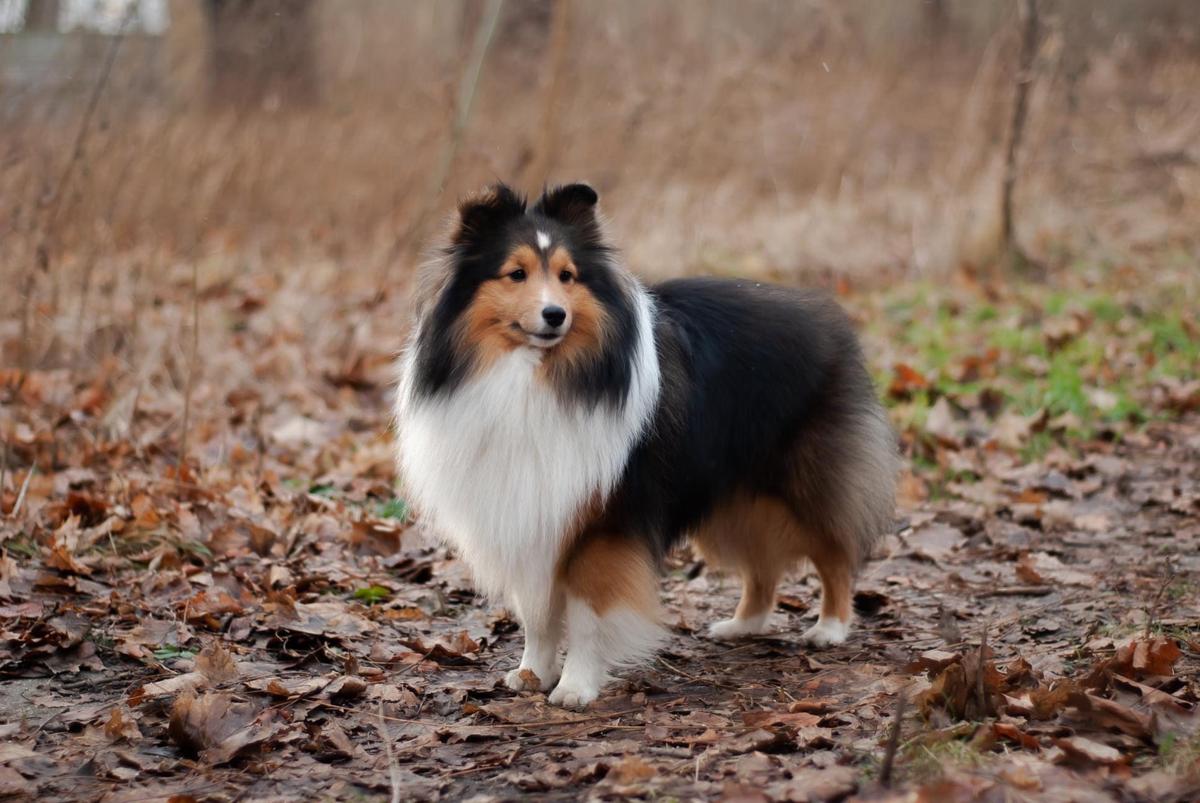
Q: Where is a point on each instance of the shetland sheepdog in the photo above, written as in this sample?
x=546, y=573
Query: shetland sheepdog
x=563, y=426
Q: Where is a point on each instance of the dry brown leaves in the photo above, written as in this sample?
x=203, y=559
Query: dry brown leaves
x=258, y=621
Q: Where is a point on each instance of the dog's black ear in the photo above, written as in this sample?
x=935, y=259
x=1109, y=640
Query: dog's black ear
x=481, y=214
x=571, y=204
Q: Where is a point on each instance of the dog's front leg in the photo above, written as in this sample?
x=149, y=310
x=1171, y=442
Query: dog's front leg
x=540, y=612
x=612, y=614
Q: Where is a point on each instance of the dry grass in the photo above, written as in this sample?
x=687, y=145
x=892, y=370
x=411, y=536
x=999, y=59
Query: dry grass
x=782, y=141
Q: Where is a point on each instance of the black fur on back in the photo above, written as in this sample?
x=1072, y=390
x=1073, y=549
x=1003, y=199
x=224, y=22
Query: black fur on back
x=764, y=392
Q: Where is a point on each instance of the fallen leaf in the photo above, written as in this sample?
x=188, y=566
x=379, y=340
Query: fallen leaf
x=1037, y=568
x=631, y=769
x=121, y=727
x=1082, y=749
x=906, y=380
x=215, y=726
x=943, y=423
x=1006, y=730
x=766, y=719
x=217, y=664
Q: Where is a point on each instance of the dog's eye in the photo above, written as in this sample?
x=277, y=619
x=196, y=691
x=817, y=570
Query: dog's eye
x=517, y=275
x=565, y=277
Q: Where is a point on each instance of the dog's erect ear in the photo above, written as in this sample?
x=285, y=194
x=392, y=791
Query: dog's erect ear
x=479, y=215
x=572, y=205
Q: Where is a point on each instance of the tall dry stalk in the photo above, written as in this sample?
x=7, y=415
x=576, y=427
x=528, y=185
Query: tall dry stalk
x=538, y=171
x=191, y=372
x=409, y=243
x=1028, y=14
x=53, y=202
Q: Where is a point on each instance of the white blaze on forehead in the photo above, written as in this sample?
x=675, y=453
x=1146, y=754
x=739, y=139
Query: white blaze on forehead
x=543, y=240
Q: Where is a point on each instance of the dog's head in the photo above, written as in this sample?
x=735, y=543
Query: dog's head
x=530, y=268
x=514, y=276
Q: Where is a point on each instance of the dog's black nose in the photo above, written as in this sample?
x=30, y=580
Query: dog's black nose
x=554, y=315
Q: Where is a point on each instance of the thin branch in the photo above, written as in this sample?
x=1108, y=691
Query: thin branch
x=410, y=241
x=1155, y=604
x=191, y=374
x=393, y=768
x=53, y=200
x=1016, y=130
x=3, y=473
x=980, y=686
x=544, y=152
x=24, y=487
x=893, y=742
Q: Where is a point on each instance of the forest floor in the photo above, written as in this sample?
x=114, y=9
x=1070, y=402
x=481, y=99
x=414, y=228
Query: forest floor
x=265, y=620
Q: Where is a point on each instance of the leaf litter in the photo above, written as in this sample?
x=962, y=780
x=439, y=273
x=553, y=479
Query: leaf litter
x=267, y=619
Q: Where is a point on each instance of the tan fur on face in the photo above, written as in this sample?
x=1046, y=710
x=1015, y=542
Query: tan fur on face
x=760, y=539
x=609, y=571
x=504, y=311
x=588, y=323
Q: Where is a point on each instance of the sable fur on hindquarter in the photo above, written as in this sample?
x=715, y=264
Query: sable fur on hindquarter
x=563, y=427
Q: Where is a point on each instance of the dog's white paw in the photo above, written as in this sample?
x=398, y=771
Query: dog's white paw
x=524, y=678
x=826, y=633
x=571, y=696
x=737, y=628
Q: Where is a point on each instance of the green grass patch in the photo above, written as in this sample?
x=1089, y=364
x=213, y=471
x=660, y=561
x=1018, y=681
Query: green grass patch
x=928, y=762
x=1179, y=754
x=1007, y=342
x=393, y=509
x=171, y=652
x=372, y=594
x=21, y=546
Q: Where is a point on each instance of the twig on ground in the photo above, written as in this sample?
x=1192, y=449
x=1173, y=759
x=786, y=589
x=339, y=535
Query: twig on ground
x=3, y=470
x=393, y=768
x=1019, y=591
x=1156, y=603
x=706, y=681
x=540, y=723
x=980, y=689
x=893, y=742
x=24, y=487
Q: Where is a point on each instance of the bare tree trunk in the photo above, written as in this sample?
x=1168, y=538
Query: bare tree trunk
x=546, y=148
x=1028, y=13
x=937, y=20
x=42, y=16
x=261, y=52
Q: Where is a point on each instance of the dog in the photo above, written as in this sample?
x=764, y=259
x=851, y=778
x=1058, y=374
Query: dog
x=562, y=426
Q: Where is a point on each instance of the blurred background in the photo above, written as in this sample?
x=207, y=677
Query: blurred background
x=211, y=212
x=203, y=199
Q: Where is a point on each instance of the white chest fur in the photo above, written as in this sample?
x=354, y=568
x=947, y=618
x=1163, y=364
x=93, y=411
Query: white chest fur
x=501, y=467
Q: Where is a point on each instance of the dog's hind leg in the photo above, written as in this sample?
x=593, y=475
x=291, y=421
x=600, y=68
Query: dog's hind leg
x=754, y=609
x=757, y=538
x=836, y=571
x=843, y=493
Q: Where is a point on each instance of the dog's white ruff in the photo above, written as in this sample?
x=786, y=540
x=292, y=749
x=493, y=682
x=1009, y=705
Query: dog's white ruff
x=501, y=466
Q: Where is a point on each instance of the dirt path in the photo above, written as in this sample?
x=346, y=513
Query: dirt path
x=308, y=647
x=260, y=622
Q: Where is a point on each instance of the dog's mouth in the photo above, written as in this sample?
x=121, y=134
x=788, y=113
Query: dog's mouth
x=541, y=340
